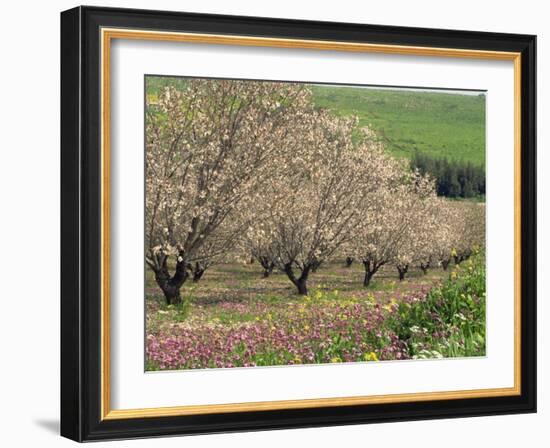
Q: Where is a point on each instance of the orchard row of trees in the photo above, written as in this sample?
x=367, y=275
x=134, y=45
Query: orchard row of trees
x=454, y=178
x=241, y=168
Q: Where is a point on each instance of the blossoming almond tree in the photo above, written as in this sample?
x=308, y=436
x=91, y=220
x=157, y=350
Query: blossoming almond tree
x=469, y=229
x=258, y=241
x=323, y=196
x=445, y=237
x=384, y=227
x=418, y=216
x=210, y=150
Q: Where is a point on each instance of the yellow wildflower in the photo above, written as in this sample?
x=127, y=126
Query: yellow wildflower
x=371, y=356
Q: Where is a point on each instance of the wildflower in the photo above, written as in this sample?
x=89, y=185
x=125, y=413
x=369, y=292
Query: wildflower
x=371, y=357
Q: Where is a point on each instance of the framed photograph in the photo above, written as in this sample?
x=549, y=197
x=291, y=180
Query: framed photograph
x=272, y=223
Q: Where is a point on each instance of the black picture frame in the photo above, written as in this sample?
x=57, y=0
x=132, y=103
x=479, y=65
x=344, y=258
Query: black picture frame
x=81, y=224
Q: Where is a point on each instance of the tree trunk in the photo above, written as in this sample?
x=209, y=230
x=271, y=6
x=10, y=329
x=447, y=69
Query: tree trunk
x=425, y=267
x=268, y=266
x=171, y=285
x=445, y=263
x=300, y=282
x=459, y=258
x=349, y=262
x=371, y=268
x=171, y=294
x=197, y=275
x=268, y=270
x=402, y=271
x=368, y=276
x=198, y=272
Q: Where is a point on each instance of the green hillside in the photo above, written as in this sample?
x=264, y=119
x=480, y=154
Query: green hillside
x=437, y=124
x=154, y=84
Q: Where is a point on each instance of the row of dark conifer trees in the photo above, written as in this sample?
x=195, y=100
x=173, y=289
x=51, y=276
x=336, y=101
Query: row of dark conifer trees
x=454, y=178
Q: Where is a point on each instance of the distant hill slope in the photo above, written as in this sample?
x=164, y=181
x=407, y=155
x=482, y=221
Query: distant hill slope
x=438, y=124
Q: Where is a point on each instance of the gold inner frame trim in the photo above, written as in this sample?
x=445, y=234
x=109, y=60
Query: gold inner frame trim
x=107, y=35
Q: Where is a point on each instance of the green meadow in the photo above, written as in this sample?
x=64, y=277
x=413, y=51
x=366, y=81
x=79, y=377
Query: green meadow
x=436, y=123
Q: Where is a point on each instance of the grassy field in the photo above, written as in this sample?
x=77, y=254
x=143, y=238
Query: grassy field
x=233, y=317
x=437, y=124
x=244, y=283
